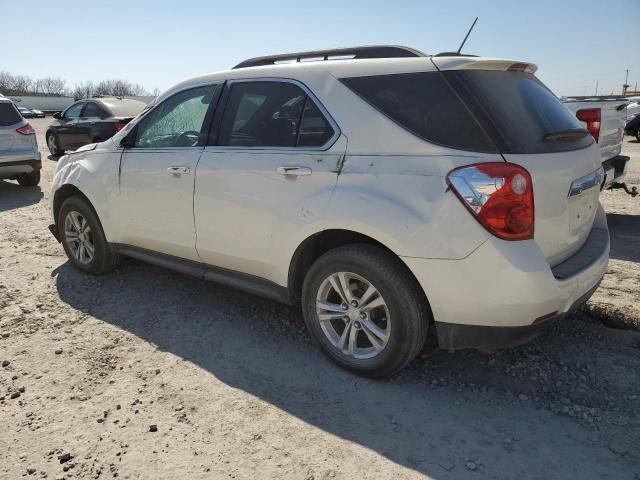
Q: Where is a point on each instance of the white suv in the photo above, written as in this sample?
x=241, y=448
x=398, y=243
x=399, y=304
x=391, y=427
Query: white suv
x=19, y=156
x=399, y=196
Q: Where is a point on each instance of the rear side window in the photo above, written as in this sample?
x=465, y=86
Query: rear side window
x=518, y=110
x=272, y=114
x=92, y=110
x=424, y=104
x=9, y=115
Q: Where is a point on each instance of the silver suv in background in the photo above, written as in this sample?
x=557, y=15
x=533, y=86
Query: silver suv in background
x=19, y=155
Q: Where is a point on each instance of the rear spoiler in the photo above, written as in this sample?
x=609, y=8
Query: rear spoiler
x=482, y=63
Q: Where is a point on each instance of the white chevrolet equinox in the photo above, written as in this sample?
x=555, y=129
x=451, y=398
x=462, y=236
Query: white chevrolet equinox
x=398, y=196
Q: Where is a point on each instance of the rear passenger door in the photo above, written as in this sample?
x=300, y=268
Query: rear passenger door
x=265, y=176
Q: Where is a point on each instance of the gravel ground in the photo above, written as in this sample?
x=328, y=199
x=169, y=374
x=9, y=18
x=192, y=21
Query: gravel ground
x=145, y=373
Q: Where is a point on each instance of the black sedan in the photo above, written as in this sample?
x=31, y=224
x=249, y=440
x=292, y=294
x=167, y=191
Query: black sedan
x=633, y=127
x=90, y=121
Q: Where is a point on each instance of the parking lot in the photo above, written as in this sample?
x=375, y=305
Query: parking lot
x=146, y=373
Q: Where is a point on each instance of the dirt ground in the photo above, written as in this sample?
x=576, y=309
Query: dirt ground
x=145, y=373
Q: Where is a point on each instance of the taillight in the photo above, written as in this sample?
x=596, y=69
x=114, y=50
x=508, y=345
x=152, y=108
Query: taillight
x=499, y=195
x=592, y=117
x=119, y=126
x=26, y=130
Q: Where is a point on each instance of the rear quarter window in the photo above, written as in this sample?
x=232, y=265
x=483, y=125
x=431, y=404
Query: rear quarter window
x=9, y=115
x=424, y=104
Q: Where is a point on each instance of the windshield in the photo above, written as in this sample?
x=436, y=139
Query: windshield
x=519, y=112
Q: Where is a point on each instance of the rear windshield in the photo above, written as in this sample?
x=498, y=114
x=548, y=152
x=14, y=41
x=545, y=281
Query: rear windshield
x=517, y=110
x=424, y=104
x=8, y=115
x=124, y=108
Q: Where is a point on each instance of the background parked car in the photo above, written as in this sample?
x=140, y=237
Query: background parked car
x=19, y=155
x=37, y=113
x=90, y=121
x=25, y=112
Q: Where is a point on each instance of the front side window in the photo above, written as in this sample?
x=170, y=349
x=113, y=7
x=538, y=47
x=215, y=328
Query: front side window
x=73, y=111
x=272, y=114
x=177, y=122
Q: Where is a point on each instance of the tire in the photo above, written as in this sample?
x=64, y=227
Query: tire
x=29, y=179
x=103, y=259
x=403, y=317
x=54, y=144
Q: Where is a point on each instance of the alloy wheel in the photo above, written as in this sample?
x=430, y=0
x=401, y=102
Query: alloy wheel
x=78, y=237
x=353, y=315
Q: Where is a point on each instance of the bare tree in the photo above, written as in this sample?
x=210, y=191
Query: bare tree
x=83, y=90
x=51, y=86
x=118, y=88
x=21, y=85
x=6, y=82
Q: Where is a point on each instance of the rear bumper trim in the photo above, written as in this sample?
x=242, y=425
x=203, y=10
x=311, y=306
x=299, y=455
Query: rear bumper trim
x=452, y=336
x=614, y=170
x=596, y=245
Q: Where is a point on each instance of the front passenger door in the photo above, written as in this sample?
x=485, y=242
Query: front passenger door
x=155, y=201
x=67, y=133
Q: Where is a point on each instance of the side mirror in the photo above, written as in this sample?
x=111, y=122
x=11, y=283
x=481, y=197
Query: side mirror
x=57, y=115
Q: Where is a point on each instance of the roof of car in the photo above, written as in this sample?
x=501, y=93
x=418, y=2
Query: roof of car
x=342, y=68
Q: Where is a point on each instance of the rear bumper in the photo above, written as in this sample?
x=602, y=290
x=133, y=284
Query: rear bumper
x=505, y=293
x=614, y=170
x=10, y=169
x=489, y=339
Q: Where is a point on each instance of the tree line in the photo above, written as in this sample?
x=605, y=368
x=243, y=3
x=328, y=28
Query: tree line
x=57, y=87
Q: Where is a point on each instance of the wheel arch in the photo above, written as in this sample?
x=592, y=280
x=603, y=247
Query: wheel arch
x=317, y=244
x=66, y=191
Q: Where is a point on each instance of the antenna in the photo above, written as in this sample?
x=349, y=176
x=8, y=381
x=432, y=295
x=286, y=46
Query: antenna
x=467, y=35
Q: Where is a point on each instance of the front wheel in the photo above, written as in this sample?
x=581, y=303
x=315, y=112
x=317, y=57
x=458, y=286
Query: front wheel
x=29, y=179
x=365, y=310
x=83, y=239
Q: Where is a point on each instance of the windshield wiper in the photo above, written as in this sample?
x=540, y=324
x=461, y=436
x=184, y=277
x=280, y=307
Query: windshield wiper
x=567, y=135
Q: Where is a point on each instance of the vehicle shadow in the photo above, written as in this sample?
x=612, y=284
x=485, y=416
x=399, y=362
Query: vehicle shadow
x=14, y=196
x=262, y=348
x=624, y=231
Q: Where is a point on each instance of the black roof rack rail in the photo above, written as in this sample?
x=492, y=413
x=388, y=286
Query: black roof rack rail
x=371, y=51
x=454, y=54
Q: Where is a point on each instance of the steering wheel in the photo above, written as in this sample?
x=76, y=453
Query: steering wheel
x=186, y=139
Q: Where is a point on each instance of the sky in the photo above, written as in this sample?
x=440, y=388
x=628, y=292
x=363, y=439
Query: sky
x=158, y=43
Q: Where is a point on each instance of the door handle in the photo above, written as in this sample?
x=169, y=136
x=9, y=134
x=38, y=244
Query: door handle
x=178, y=169
x=293, y=171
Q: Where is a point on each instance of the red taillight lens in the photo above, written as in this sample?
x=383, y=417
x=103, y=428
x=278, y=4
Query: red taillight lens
x=26, y=130
x=592, y=117
x=499, y=195
x=119, y=126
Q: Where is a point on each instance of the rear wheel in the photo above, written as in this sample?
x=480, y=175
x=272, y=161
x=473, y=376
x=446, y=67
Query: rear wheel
x=83, y=239
x=54, y=145
x=29, y=179
x=365, y=310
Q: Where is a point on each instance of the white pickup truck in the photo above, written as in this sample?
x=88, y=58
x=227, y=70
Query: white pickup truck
x=605, y=119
